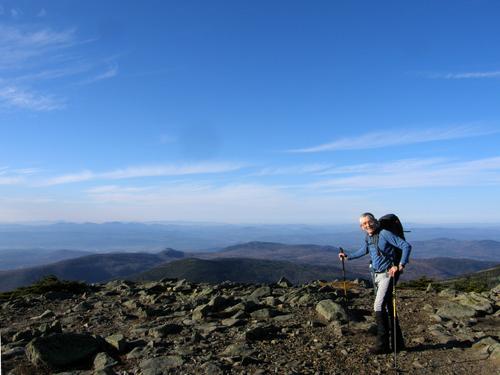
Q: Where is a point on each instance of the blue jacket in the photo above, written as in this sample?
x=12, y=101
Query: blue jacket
x=383, y=257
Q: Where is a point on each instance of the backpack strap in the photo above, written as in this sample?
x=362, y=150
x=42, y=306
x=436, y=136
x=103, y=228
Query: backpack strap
x=373, y=240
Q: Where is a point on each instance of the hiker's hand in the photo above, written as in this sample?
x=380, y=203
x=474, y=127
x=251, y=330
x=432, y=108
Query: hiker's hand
x=342, y=256
x=393, y=271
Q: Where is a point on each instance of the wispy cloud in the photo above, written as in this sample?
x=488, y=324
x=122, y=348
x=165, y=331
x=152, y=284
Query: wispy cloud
x=415, y=174
x=14, y=97
x=70, y=178
x=398, y=137
x=465, y=75
x=19, y=45
x=110, y=72
x=33, y=55
x=293, y=170
x=145, y=171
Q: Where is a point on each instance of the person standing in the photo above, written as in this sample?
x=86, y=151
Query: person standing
x=381, y=244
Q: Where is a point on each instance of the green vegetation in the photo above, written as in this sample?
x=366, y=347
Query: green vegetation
x=471, y=285
x=420, y=284
x=47, y=284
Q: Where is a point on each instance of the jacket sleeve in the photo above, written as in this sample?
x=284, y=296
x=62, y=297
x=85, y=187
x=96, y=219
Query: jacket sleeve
x=363, y=250
x=400, y=244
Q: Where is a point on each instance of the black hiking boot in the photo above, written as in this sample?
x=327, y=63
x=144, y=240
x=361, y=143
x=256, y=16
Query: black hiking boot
x=382, y=343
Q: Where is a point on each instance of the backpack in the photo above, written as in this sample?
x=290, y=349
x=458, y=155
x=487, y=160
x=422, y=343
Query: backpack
x=391, y=223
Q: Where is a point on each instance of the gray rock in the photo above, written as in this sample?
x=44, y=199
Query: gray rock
x=201, y=312
x=62, y=349
x=261, y=332
x=490, y=346
x=456, y=311
x=218, y=303
x=103, y=361
x=263, y=314
x=476, y=301
x=232, y=322
x=305, y=300
x=117, y=341
x=239, y=349
x=48, y=328
x=160, y=365
x=165, y=330
x=284, y=283
x=47, y=314
x=263, y=291
x=448, y=292
x=14, y=352
x=135, y=353
x=24, y=335
x=210, y=368
x=330, y=310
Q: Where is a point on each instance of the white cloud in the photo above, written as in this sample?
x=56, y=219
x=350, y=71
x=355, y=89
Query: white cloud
x=30, y=56
x=293, y=170
x=10, y=180
x=398, y=137
x=42, y=13
x=426, y=173
x=110, y=72
x=466, y=75
x=69, y=178
x=230, y=203
x=21, y=46
x=14, y=97
x=145, y=171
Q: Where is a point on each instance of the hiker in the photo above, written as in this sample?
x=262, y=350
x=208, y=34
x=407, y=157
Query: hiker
x=382, y=245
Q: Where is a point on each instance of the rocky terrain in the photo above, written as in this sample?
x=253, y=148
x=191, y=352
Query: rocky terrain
x=178, y=327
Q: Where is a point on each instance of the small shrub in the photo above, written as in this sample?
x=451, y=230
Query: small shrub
x=471, y=285
x=48, y=283
x=420, y=284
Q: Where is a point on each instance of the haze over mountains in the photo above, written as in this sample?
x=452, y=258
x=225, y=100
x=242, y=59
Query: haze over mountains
x=250, y=262
x=102, y=252
x=120, y=236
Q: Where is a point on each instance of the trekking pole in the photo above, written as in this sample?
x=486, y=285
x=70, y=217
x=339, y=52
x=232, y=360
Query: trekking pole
x=394, y=322
x=345, y=289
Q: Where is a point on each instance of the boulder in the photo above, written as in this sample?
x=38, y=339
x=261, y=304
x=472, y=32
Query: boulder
x=160, y=365
x=201, y=312
x=62, y=349
x=284, y=282
x=456, y=311
x=165, y=330
x=261, y=332
x=103, y=361
x=118, y=342
x=239, y=349
x=490, y=346
x=330, y=310
x=263, y=291
x=475, y=301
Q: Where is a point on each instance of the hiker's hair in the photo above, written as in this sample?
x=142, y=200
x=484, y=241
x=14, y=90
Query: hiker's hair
x=369, y=215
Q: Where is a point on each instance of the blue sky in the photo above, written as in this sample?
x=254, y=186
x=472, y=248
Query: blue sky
x=249, y=111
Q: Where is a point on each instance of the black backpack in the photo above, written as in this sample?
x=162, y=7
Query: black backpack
x=391, y=223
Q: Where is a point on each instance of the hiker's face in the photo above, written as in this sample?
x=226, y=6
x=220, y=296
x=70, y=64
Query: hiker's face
x=368, y=225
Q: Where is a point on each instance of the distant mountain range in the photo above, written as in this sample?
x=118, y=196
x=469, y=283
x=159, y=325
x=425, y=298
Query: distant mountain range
x=90, y=268
x=486, y=250
x=251, y=262
x=23, y=258
x=120, y=236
